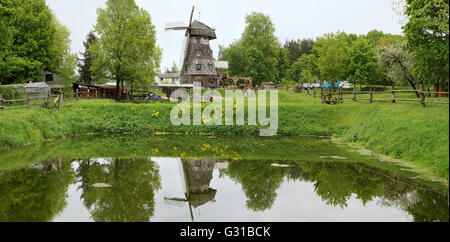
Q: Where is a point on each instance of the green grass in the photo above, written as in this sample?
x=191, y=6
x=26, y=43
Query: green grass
x=408, y=131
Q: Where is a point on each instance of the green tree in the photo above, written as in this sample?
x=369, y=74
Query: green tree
x=304, y=69
x=427, y=34
x=235, y=55
x=27, y=39
x=283, y=64
x=85, y=63
x=255, y=65
x=298, y=48
x=363, y=62
x=259, y=34
x=126, y=49
x=173, y=69
x=331, y=51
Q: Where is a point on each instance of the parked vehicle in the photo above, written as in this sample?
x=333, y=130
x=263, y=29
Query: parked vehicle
x=306, y=86
x=344, y=84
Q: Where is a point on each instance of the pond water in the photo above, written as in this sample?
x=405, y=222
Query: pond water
x=207, y=178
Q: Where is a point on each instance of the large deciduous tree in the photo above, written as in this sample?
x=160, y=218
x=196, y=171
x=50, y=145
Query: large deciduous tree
x=427, y=34
x=259, y=37
x=331, y=51
x=126, y=49
x=398, y=64
x=363, y=66
x=27, y=36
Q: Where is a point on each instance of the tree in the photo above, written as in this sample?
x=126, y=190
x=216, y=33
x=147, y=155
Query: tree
x=297, y=48
x=259, y=34
x=304, y=69
x=255, y=65
x=331, y=51
x=173, y=69
x=27, y=38
x=126, y=49
x=283, y=63
x=235, y=55
x=363, y=62
x=427, y=34
x=398, y=63
x=85, y=63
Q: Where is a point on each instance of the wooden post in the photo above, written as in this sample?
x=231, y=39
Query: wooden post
x=354, y=93
x=1, y=101
x=61, y=96
x=393, y=94
x=422, y=95
x=28, y=101
x=371, y=95
x=339, y=95
x=314, y=92
x=307, y=91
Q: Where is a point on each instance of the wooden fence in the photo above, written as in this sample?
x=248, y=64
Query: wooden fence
x=49, y=101
x=339, y=96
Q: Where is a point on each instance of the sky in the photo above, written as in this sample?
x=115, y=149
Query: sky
x=293, y=19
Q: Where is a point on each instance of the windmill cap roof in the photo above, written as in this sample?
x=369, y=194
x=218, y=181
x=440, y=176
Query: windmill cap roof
x=200, y=29
x=199, y=25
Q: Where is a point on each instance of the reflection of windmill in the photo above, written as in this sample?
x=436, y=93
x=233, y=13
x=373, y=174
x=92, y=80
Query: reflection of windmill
x=198, y=61
x=197, y=177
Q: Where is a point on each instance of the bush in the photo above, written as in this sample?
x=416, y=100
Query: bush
x=11, y=92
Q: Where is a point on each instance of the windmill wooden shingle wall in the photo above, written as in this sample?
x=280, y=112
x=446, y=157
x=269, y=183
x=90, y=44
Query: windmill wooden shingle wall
x=199, y=60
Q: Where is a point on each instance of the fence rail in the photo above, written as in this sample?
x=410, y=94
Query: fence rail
x=338, y=96
x=48, y=101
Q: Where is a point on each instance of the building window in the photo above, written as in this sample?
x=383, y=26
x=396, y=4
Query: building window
x=197, y=40
x=198, y=53
x=199, y=67
x=48, y=77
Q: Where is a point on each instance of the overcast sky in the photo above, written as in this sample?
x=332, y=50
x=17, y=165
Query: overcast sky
x=293, y=19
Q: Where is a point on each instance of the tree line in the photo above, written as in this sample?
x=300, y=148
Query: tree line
x=376, y=58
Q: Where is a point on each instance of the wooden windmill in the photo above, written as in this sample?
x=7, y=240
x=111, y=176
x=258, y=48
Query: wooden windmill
x=198, y=61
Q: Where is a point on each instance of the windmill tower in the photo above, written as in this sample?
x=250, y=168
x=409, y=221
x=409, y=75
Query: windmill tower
x=198, y=61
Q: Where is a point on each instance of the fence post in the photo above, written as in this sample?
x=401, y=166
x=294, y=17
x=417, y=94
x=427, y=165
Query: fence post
x=307, y=91
x=1, y=101
x=371, y=95
x=339, y=95
x=314, y=92
x=354, y=93
x=393, y=94
x=422, y=94
x=28, y=101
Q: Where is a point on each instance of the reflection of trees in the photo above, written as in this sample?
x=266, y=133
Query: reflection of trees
x=335, y=183
x=259, y=181
x=35, y=194
x=131, y=197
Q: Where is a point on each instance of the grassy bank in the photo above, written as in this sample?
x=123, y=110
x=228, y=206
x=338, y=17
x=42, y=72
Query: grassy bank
x=407, y=131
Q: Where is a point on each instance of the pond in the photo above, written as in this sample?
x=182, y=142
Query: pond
x=210, y=178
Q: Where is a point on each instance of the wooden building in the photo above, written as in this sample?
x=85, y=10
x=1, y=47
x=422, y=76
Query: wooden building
x=198, y=60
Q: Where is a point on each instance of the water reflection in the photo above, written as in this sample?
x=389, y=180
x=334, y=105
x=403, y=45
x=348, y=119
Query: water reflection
x=129, y=190
x=129, y=194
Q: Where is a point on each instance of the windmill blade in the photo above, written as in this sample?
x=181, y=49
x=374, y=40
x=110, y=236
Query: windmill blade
x=192, y=14
x=176, y=25
x=188, y=35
